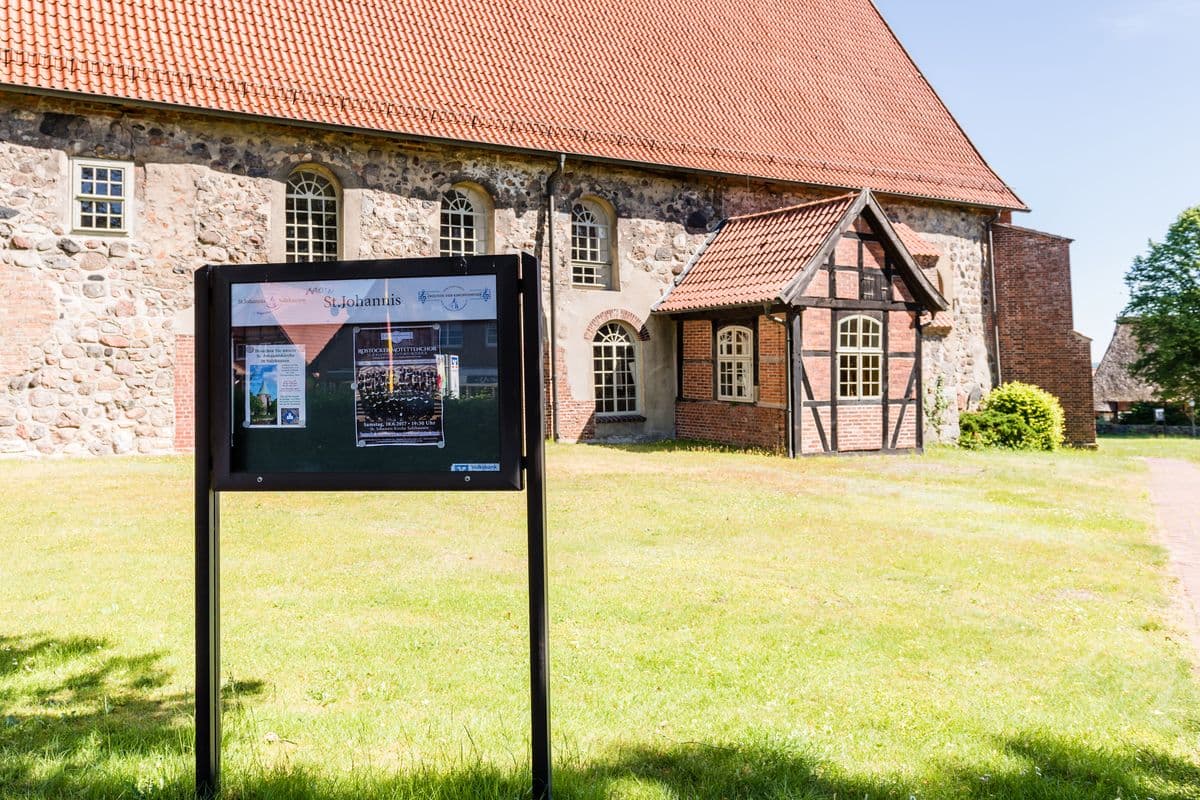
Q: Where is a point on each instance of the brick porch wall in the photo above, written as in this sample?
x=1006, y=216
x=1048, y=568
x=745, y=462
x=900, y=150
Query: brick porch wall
x=761, y=424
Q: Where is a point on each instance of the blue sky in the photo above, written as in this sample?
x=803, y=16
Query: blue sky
x=1089, y=110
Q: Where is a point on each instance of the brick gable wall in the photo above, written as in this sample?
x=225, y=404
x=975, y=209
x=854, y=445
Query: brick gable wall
x=1038, y=342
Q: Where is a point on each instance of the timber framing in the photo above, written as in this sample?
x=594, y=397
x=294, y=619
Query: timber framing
x=859, y=266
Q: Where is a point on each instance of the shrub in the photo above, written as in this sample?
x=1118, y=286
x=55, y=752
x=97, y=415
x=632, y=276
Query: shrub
x=995, y=429
x=1017, y=416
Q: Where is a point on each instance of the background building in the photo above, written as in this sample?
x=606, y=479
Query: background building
x=1117, y=389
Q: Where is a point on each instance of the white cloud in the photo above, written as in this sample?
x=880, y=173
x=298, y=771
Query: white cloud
x=1150, y=17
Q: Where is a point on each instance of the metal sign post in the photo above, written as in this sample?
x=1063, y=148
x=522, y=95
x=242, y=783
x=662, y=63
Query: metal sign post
x=535, y=495
x=208, y=640
x=511, y=463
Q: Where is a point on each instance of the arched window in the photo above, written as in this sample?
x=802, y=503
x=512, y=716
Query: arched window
x=860, y=358
x=614, y=368
x=735, y=364
x=463, y=223
x=591, y=245
x=311, y=209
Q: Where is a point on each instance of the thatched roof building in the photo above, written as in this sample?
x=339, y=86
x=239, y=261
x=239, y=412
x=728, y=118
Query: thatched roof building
x=1115, y=387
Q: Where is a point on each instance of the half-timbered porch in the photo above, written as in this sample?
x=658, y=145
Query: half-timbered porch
x=800, y=331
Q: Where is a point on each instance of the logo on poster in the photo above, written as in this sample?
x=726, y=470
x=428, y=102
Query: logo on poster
x=453, y=298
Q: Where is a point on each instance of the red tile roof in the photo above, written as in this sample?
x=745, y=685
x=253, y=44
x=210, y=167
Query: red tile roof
x=921, y=249
x=750, y=259
x=766, y=258
x=811, y=91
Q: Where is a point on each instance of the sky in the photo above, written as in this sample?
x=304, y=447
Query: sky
x=1090, y=111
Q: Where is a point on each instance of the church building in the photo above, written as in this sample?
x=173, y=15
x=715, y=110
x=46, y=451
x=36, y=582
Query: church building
x=758, y=223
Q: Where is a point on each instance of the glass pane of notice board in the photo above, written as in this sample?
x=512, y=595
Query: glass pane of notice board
x=403, y=368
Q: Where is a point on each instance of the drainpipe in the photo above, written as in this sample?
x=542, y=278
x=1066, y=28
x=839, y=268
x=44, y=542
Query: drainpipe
x=991, y=248
x=551, y=187
x=793, y=445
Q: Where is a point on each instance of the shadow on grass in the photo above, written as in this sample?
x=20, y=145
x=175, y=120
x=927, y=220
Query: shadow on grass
x=1044, y=769
x=79, y=721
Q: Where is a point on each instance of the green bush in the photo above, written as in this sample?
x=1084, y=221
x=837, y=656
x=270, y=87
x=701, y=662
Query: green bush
x=1017, y=416
x=995, y=429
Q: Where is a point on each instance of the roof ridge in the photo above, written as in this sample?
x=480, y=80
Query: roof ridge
x=797, y=207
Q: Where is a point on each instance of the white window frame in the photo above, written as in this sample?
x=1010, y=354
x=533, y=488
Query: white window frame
x=735, y=360
x=613, y=399
x=491, y=335
x=856, y=351
x=462, y=205
x=79, y=197
x=450, y=335
x=591, y=245
x=291, y=249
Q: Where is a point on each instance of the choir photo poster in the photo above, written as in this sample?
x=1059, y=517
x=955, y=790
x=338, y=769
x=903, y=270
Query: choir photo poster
x=397, y=386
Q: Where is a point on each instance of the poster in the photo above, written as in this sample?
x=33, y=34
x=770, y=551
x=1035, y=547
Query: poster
x=448, y=375
x=397, y=386
x=275, y=388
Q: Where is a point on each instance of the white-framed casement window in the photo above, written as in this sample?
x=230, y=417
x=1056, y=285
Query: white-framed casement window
x=591, y=245
x=860, y=358
x=615, y=370
x=735, y=364
x=101, y=195
x=450, y=334
x=311, y=216
x=463, y=222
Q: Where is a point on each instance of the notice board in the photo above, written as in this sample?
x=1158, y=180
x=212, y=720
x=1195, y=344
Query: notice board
x=386, y=374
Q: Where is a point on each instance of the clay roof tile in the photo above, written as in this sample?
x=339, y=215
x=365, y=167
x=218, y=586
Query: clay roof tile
x=810, y=91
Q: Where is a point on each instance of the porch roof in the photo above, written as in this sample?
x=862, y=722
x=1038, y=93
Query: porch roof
x=768, y=257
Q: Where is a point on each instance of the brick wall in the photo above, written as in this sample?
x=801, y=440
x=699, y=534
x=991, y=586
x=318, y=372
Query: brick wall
x=859, y=425
x=761, y=424
x=1038, y=343
x=185, y=393
x=27, y=306
x=28, y=313
x=738, y=424
x=576, y=418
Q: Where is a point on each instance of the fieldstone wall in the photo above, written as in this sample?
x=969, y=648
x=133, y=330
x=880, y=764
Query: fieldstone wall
x=91, y=324
x=962, y=353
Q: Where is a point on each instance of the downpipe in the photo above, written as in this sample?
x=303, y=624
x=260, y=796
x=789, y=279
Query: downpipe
x=551, y=187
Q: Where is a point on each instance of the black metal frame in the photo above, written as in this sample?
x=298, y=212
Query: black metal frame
x=222, y=279
x=518, y=285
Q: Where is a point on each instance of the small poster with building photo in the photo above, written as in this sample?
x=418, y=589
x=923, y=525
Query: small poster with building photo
x=275, y=388
x=397, y=386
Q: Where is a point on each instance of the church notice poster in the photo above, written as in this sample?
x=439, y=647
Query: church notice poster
x=275, y=386
x=354, y=369
x=397, y=391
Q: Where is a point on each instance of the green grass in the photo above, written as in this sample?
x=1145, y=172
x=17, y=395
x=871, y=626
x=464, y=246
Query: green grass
x=724, y=625
x=1156, y=446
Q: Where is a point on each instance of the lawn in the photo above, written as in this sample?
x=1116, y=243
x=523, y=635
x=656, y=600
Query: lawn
x=723, y=625
x=1157, y=446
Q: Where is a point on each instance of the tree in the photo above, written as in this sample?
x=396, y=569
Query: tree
x=1164, y=299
